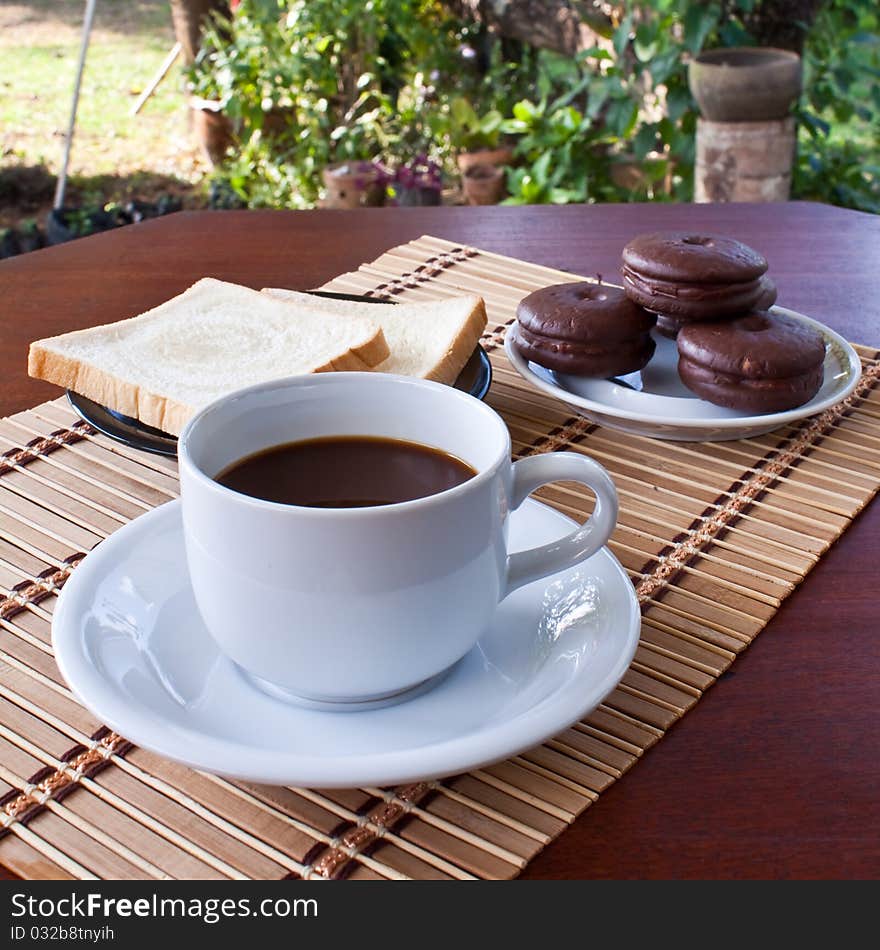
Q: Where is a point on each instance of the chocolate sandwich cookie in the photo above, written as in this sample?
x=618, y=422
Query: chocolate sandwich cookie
x=693, y=277
x=758, y=363
x=669, y=325
x=768, y=294
x=584, y=329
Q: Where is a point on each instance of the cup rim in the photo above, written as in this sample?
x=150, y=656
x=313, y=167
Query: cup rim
x=261, y=504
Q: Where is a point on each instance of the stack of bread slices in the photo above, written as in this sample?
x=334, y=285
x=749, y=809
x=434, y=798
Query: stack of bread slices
x=216, y=337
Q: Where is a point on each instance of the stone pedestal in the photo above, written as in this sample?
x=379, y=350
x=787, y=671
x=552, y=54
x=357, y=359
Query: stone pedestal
x=744, y=161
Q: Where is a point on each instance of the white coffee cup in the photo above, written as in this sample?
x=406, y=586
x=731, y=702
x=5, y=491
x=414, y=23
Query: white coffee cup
x=354, y=605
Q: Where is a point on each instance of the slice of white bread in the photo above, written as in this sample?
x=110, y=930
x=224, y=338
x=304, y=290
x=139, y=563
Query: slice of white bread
x=431, y=339
x=164, y=365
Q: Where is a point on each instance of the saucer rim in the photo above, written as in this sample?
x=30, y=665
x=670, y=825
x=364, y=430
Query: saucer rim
x=551, y=715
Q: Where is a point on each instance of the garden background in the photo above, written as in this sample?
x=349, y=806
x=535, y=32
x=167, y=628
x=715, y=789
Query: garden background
x=591, y=98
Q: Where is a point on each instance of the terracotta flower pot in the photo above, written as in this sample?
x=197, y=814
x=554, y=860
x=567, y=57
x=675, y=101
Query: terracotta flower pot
x=487, y=156
x=352, y=185
x=483, y=185
x=213, y=129
x=745, y=84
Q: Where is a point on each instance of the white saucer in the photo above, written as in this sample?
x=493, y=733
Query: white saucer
x=657, y=404
x=130, y=643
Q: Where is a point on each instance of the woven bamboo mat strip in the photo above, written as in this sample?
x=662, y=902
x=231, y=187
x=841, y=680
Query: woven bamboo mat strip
x=714, y=537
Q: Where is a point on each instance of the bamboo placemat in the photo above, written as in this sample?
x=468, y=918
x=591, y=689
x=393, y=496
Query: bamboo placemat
x=714, y=536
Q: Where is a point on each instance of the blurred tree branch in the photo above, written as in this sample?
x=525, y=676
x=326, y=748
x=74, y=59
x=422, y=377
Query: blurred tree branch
x=565, y=26
x=781, y=23
x=568, y=26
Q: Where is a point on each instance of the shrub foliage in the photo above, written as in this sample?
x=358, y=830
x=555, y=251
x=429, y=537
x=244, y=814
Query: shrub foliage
x=312, y=82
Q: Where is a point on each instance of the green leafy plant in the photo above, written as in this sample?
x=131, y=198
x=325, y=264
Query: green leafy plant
x=837, y=173
x=264, y=175
x=637, y=88
x=839, y=113
x=308, y=84
x=562, y=155
x=623, y=103
x=313, y=82
x=415, y=125
x=471, y=132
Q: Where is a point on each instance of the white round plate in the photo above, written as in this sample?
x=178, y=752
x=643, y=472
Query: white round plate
x=655, y=402
x=130, y=643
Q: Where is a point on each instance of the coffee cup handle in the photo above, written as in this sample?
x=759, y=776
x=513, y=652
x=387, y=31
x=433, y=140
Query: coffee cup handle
x=531, y=473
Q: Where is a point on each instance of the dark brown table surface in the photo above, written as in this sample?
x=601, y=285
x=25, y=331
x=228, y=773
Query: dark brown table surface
x=776, y=772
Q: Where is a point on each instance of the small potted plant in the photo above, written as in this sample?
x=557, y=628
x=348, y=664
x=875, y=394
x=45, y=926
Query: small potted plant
x=65, y=224
x=481, y=156
x=26, y=237
x=354, y=184
x=476, y=138
x=30, y=237
x=411, y=136
x=356, y=178
x=240, y=82
x=418, y=181
x=213, y=129
x=484, y=184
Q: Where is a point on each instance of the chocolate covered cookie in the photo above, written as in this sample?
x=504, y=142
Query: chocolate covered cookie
x=758, y=363
x=768, y=294
x=584, y=329
x=693, y=277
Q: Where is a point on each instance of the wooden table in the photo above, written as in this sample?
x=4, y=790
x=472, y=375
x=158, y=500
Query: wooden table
x=775, y=773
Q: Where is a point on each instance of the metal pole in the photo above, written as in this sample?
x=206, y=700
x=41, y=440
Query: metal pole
x=86, y=33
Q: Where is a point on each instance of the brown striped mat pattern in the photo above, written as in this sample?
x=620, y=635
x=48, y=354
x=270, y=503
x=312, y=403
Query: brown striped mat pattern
x=714, y=537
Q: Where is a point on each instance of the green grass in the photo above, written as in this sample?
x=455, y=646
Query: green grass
x=39, y=46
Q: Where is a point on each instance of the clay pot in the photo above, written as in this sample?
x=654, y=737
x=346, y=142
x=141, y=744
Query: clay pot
x=483, y=185
x=486, y=156
x=745, y=84
x=213, y=129
x=352, y=185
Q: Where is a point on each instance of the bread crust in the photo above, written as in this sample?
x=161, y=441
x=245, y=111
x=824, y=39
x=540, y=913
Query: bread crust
x=447, y=370
x=369, y=354
x=106, y=389
x=153, y=409
x=47, y=362
x=452, y=362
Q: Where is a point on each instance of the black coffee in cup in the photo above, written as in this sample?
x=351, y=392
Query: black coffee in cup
x=345, y=472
